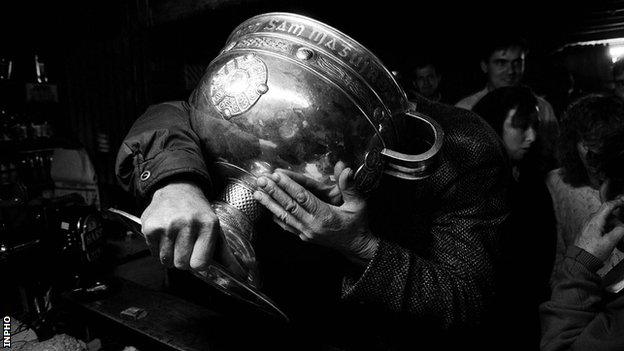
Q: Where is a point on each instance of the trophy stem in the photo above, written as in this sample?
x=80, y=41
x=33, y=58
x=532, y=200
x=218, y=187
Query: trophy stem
x=238, y=212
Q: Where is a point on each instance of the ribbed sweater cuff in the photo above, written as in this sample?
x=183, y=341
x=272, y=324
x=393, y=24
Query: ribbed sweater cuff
x=591, y=262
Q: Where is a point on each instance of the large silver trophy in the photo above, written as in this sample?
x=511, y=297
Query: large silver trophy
x=290, y=92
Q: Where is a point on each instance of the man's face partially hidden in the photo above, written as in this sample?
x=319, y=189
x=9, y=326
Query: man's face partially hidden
x=504, y=67
x=427, y=81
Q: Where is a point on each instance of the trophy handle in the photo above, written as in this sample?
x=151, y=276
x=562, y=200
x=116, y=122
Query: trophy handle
x=423, y=144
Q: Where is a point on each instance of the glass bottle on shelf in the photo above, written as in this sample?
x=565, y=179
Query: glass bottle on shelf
x=39, y=90
x=40, y=71
x=6, y=68
x=5, y=123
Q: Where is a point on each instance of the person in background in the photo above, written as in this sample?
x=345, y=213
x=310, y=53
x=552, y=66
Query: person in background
x=574, y=188
x=425, y=80
x=617, y=72
x=513, y=113
x=584, y=312
x=503, y=63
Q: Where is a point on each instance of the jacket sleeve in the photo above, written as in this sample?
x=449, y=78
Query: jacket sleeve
x=569, y=318
x=160, y=145
x=453, y=284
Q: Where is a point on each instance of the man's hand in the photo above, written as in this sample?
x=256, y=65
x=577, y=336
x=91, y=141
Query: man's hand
x=601, y=233
x=339, y=223
x=331, y=194
x=180, y=226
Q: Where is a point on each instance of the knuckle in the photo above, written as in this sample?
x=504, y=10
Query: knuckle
x=179, y=222
x=315, y=228
x=312, y=206
x=283, y=216
x=291, y=207
x=325, y=218
x=301, y=197
x=210, y=221
x=149, y=230
x=270, y=188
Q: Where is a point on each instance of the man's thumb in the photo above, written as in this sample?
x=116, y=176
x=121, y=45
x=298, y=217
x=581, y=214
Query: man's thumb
x=615, y=235
x=346, y=183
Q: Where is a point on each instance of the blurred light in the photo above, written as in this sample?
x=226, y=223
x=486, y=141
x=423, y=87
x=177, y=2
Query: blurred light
x=616, y=51
x=615, y=47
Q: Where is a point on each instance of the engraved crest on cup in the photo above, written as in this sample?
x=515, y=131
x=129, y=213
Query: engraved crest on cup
x=238, y=85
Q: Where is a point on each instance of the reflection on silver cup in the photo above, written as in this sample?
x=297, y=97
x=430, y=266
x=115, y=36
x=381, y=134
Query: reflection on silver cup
x=291, y=92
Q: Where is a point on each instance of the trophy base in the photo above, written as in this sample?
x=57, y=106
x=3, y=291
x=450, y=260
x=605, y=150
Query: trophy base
x=228, y=284
x=216, y=275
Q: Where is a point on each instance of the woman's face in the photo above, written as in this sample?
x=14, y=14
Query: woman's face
x=517, y=140
x=584, y=150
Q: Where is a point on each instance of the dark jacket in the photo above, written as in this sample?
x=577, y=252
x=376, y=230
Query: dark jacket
x=435, y=264
x=528, y=251
x=581, y=315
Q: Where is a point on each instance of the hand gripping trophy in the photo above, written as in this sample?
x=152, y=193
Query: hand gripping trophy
x=290, y=92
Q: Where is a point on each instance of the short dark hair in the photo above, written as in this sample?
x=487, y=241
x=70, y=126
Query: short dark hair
x=501, y=42
x=495, y=106
x=597, y=119
x=611, y=161
x=618, y=68
x=422, y=62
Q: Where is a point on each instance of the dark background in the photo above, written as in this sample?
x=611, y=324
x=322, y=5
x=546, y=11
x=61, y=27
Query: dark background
x=112, y=59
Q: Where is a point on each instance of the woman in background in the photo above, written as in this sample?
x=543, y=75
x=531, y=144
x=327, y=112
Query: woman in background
x=586, y=311
x=574, y=187
x=528, y=243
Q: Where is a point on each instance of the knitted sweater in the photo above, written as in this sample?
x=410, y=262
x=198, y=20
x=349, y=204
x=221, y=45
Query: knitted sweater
x=581, y=315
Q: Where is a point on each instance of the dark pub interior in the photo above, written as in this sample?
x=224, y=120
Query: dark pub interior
x=311, y=175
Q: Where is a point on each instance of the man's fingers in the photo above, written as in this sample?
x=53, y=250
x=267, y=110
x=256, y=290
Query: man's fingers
x=346, y=183
x=285, y=226
x=605, y=210
x=615, y=235
x=292, y=197
x=204, y=246
x=277, y=210
x=183, y=247
x=338, y=168
x=302, y=197
x=167, y=246
x=152, y=238
x=303, y=180
x=291, y=229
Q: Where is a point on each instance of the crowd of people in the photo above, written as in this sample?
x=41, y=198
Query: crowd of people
x=566, y=188
x=509, y=244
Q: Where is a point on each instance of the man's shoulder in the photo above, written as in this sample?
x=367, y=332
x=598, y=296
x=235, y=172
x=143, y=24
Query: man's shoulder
x=169, y=105
x=469, y=101
x=554, y=181
x=554, y=176
x=468, y=138
x=546, y=109
x=542, y=101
